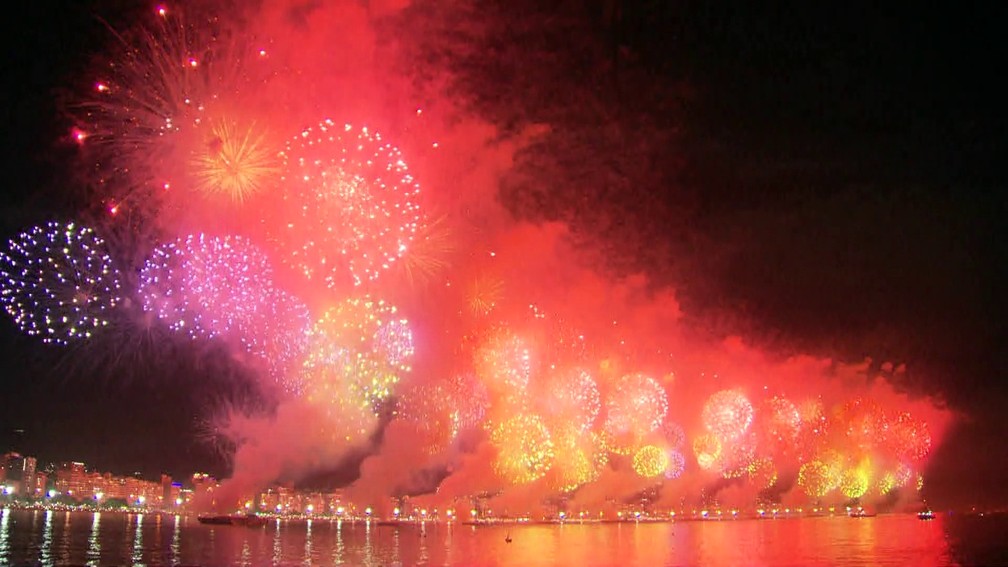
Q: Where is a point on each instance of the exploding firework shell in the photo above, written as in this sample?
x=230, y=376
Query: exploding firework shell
x=433, y=410
x=578, y=458
x=234, y=161
x=279, y=336
x=909, y=438
x=817, y=478
x=707, y=449
x=635, y=407
x=854, y=482
x=149, y=113
x=736, y=458
x=504, y=364
x=728, y=414
x=779, y=424
x=571, y=397
x=650, y=461
x=525, y=449
x=377, y=356
x=864, y=424
x=208, y=286
x=326, y=378
x=676, y=464
x=350, y=206
x=59, y=283
x=674, y=434
x=762, y=472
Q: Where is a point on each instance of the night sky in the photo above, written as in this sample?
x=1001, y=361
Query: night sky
x=834, y=185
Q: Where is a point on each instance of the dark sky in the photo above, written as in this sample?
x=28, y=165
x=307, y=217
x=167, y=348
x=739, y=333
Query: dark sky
x=845, y=179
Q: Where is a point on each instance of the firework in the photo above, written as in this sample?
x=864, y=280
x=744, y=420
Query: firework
x=728, y=414
x=650, y=461
x=813, y=430
x=504, y=363
x=279, y=336
x=780, y=424
x=207, y=286
x=393, y=341
x=234, y=162
x=430, y=252
x=571, y=397
x=854, y=482
x=762, y=472
x=525, y=449
x=817, y=478
x=636, y=406
x=349, y=205
x=327, y=379
x=149, y=108
x=886, y=483
x=736, y=458
x=674, y=434
x=909, y=437
x=471, y=397
x=433, y=411
x=377, y=342
x=707, y=449
x=863, y=423
x=578, y=458
x=483, y=294
x=58, y=282
x=676, y=464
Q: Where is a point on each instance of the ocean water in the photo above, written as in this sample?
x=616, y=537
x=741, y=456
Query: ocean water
x=30, y=537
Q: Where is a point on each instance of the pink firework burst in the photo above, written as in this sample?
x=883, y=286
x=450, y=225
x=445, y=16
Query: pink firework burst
x=207, y=286
x=349, y=208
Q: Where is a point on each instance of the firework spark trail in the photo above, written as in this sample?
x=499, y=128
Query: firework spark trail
x=153, y=103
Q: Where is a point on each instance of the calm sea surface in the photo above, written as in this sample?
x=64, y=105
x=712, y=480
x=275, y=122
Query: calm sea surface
x=79, y=538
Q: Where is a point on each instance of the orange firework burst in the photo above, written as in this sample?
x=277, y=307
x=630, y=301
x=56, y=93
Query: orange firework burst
x=525, y=449
x=650, y=461
x=430, y=251
x=707, y=449
x=234, y=162
x=483, y=294
x=150, y=101
x=579, y=458
x=854, y=482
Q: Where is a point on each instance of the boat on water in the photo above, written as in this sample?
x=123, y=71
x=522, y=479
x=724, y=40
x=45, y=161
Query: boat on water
x=925, y=515
x=861, y=513
x=250, y=520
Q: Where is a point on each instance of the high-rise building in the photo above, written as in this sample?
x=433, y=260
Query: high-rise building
x=13, y=475
x=40, y=487
x=28, y=477
x=72, y=480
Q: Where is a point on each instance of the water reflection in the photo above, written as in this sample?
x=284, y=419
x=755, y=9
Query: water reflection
x=308, y=544
x=277, y=548
x=246, y=553
x=337, y=556
x=109, y=538
x=94, y=543
x=4, y=535
x=176, y=543
x=45, y=554
x=422, y=556
x=138, y=548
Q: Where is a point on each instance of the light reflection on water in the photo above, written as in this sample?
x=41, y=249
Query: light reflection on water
x=4, y=535
x=59, y=538
x=94, y=544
